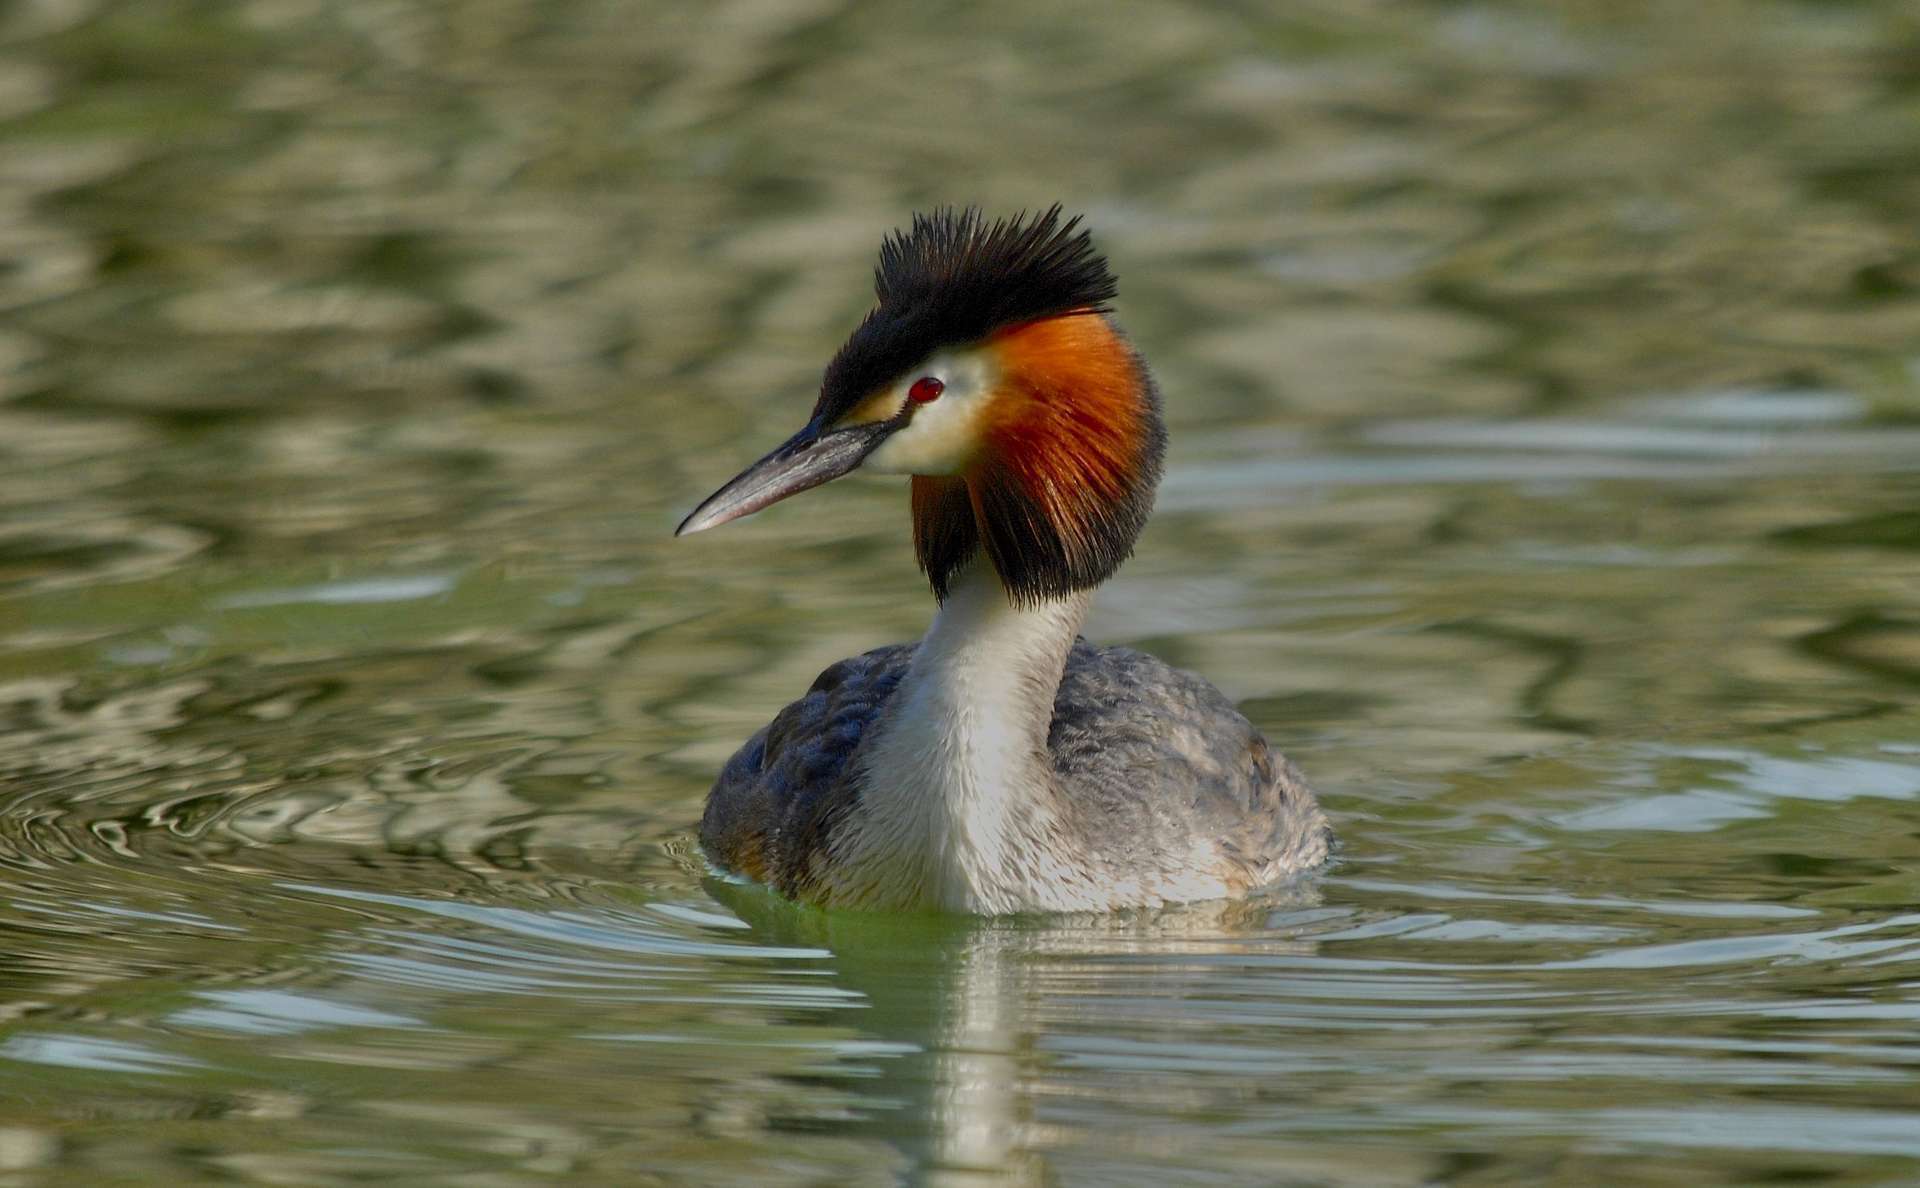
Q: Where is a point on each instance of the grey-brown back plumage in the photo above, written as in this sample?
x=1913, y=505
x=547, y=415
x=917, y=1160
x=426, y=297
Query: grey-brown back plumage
x=1147, y=758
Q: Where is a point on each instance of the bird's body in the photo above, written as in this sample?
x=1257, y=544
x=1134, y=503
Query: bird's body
x=1002, y=764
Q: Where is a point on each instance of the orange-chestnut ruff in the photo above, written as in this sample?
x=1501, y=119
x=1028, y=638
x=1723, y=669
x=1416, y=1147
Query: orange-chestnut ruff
x=1069, y=458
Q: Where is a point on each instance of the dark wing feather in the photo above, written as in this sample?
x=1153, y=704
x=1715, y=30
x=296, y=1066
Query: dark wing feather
x=776, y=800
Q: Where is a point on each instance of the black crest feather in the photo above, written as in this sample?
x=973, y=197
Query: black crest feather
x=953, y=278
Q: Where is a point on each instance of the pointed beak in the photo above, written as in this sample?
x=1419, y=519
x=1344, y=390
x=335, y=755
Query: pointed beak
x=807, y=459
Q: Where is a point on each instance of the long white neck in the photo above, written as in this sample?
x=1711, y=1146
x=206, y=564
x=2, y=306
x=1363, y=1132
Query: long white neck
x=958, y=808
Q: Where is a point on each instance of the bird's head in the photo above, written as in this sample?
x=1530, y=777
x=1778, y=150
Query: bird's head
x=990, y=371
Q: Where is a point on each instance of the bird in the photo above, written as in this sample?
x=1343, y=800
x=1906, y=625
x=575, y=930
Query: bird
x=1002, y=764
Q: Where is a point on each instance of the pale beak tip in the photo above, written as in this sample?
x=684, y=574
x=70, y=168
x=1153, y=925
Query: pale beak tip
x=802, y=463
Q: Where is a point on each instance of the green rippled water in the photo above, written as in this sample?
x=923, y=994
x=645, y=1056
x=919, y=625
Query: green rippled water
x=1545, y=393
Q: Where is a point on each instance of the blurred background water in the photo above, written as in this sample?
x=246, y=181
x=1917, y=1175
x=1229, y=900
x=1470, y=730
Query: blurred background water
x=1545, y=390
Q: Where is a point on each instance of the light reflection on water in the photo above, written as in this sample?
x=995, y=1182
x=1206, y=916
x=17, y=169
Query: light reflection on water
x=1544, y=480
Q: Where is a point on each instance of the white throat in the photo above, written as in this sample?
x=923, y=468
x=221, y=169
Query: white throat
x=958, y=806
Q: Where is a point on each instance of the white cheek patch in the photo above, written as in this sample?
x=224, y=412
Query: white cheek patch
x=937, y=441
x=944, y=433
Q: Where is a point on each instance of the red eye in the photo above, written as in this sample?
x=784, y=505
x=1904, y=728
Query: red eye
x=925, y=390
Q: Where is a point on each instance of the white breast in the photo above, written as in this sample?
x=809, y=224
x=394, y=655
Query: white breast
x=958, y=806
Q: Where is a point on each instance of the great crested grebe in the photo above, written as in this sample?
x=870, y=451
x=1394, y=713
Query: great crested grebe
x=1002, y=764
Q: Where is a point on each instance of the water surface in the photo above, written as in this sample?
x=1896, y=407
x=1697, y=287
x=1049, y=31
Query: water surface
x=1545, y=391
